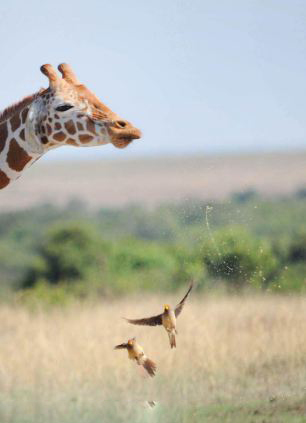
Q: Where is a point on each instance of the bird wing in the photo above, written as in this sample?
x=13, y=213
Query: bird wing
x=180, y=305
x=120, y=346
x=147, y=321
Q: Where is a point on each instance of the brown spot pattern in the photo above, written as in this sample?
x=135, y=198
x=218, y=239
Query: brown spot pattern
x=85, y=138
x=70, y=141
x=49, y=129
x=57, y=126
x=3, y=135
x=59, y=136
x=91, y=127
x=17, y=157
x=15, y=122
x=24, y=114
x=80, y=126
x=44, y=139
x=17, y=108
x=4, y=180
x=70, y=127
x=22, y=134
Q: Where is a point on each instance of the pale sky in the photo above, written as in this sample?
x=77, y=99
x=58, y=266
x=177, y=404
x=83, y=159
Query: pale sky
x=195, y=76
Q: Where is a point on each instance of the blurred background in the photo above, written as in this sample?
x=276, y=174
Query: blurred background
x=214, y=192
x=218, y=91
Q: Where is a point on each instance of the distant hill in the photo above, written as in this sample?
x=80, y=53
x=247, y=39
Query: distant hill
x=151, y=181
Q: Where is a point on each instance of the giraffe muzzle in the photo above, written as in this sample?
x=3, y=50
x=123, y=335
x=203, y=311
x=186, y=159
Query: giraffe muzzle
x=122, y=133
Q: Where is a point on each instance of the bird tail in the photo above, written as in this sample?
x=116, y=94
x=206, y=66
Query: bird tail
x=172, y=339
x=150, y=366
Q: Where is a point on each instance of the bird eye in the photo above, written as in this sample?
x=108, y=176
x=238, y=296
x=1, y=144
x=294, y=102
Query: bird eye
x=64, y=107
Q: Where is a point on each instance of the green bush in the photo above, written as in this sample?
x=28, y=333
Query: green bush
x=69, y=253
x=245, y=196
x=136, y=265
x=301, y=193
x=236, y=256
x=297, y=249
x=152, y=249
x=188, y=266
x=44, y=294
x=291, y=279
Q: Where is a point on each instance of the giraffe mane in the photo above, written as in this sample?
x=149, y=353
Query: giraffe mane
x=16, y=107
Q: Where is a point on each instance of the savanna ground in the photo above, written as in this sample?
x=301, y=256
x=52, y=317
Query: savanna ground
x=239, y=359
x=151, y=181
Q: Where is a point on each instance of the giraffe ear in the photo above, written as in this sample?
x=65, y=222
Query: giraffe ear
x=68, y=74
x=50, y=73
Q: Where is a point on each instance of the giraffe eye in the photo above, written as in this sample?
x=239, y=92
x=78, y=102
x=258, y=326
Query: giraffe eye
x=64, y=107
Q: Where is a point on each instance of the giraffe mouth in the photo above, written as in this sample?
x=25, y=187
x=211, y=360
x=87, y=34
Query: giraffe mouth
x=122, y=140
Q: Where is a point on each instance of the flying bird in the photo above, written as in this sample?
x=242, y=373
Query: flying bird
x=167, y=319
x=136, y=352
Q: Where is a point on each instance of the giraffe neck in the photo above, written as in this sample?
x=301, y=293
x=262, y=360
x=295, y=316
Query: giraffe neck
x=16, y=146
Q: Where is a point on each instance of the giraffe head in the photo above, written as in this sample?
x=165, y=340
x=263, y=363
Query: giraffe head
x=69, y=113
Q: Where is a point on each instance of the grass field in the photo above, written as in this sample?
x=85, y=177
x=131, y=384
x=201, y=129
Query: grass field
x=239, y=359
x=151, y=181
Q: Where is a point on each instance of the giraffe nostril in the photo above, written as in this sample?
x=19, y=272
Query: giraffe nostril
x=121, y=123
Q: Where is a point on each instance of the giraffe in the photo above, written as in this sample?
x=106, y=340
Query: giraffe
x=66, y=113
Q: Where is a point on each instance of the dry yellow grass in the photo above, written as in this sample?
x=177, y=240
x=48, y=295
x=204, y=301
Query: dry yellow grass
x=231, y=349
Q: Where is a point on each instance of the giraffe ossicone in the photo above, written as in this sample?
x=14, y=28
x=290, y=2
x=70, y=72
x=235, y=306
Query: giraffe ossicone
x=66, y=113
